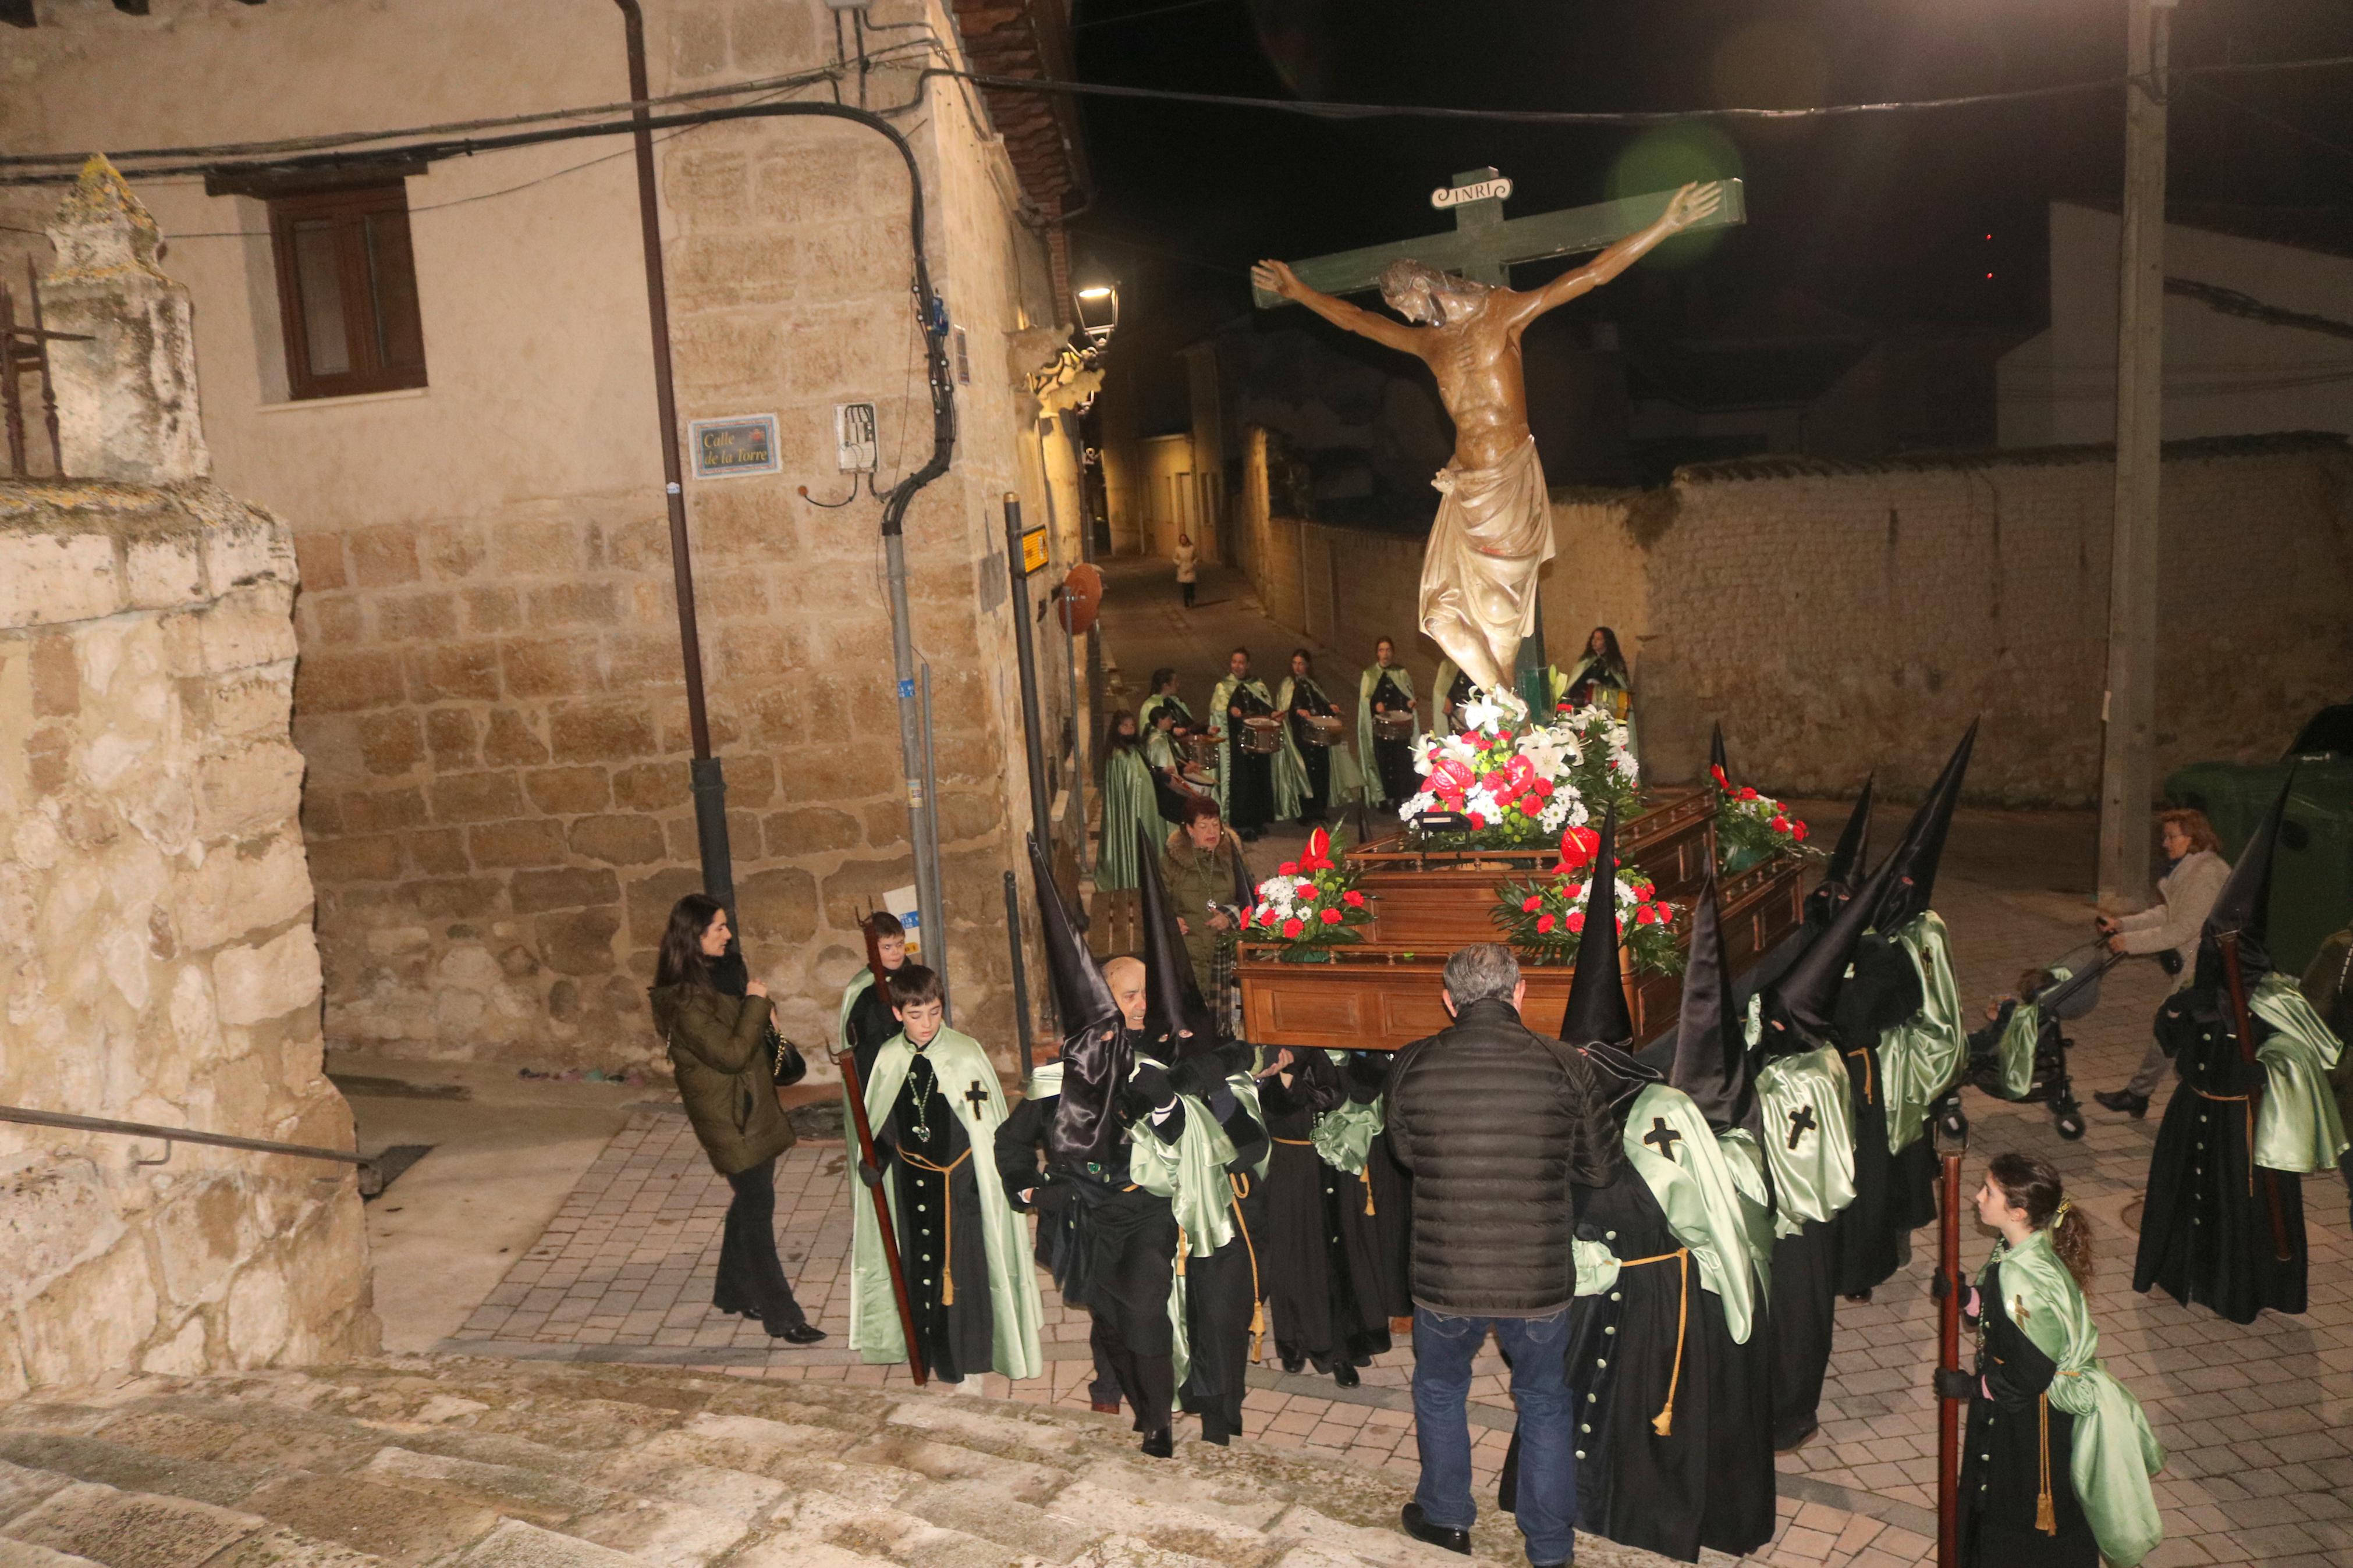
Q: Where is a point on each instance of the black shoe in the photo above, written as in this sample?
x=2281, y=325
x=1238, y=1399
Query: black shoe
x=1860, y=1298
x=2124, y=1100
x=801, y=1333
x=1345, y=1375
x=1158, y=1446
x=1437, y=1535
x=1292, y=1363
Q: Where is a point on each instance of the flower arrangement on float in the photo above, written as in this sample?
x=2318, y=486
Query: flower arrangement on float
x=1750, y=827
x=1545, y=917
x=1309, y=905
x=1518, y=781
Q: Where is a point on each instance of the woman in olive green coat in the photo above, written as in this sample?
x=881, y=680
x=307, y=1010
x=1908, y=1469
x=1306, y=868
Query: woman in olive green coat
x=729, y=1060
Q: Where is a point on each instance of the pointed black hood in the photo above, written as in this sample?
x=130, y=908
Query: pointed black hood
x=1176, y=1020
x=2242, y=908
x=1845, y=872
x=1797, y=1007
x=1096, y=1055
x=1923, y=845
x=1597, y=1011
x=1711, y=1060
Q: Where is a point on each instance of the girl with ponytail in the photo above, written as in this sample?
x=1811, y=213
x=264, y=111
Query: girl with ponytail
x=2055, y=1470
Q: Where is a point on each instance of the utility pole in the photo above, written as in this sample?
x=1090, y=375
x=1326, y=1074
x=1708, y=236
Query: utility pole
x=2128, y=711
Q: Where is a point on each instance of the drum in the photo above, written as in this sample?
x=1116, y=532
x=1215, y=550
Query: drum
x=1199, y=752
x=1322, y=730
x=1261, y=734
x=1393, y=726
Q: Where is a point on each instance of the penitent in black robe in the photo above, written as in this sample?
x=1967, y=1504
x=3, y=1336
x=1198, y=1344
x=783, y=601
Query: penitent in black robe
x=1065, y=1247
x=1873, y=1234
x=2005, y=1464
x=922, y=1132
x=1222, y=1288
x=1320, y=1260
x=1708, y=1480
x=1804, y=1306
x=2207, y=1235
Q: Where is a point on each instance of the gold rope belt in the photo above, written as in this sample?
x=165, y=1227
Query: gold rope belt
x=1663, y=1423
x=2046, y=1514
x=1240, y=1183
x=2249, y=1102
x=1866, y=1075
x=948, y=1227
x=1364, y=1176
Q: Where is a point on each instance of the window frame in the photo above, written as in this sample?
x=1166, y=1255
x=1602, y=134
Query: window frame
x=373, y=316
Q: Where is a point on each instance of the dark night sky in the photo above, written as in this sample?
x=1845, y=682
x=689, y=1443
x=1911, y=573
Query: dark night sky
x=1883, y=217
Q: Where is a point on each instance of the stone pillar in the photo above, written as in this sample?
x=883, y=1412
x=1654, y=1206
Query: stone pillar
x=127, y=403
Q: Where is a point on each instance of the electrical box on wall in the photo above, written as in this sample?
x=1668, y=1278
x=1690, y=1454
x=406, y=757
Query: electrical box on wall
x=856, y=448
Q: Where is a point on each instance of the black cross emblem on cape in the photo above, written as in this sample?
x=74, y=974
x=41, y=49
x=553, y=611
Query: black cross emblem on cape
x=976, y=1097
x=1664, y=1136
x=1801, y=1120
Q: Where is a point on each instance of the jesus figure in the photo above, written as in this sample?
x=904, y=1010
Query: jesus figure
x=1494, y=532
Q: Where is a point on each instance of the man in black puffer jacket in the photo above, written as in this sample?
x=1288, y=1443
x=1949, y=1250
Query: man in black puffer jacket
x=1496, y=1124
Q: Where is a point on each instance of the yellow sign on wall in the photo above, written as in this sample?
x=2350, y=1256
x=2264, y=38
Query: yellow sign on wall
x=1033, y=550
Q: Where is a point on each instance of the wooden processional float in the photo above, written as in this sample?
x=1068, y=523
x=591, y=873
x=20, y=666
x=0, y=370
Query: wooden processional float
x=1382, y=994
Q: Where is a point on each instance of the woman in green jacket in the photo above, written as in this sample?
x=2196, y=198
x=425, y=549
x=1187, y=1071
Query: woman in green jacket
x=729, y=1061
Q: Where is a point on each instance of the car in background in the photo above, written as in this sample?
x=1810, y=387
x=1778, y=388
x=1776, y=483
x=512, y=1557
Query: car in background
x=2312, y=875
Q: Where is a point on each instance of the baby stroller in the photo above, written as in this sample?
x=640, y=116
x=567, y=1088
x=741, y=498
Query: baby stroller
x=2021, y=1055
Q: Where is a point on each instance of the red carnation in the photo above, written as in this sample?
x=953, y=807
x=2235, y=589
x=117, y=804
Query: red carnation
x=1748, y=794
x=1543, y=788
x=1622, y=925
x=1576, y=921
x=1646, y=914
x=1292, y=928
x=1353, y=899
x=1305, y=890
x=1288, y=868
x=1530, y=904
x=1331, y=916
x=1478, y=820
x=1502, y=737
x=1545, y=923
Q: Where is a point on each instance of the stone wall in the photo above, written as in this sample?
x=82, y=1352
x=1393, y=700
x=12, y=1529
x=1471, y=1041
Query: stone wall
x=1838, y=618
x=491, y=698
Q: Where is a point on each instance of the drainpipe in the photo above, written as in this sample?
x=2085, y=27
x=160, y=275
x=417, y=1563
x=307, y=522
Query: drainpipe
x=706, y=771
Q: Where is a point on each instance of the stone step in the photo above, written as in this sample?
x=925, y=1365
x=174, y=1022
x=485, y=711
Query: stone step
x=426, y=1463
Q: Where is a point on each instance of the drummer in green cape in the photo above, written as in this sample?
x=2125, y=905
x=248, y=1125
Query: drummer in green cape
x=865, y=1018
x=1452, y=688
x=933, y=1102
x=1245, y=778
x=1128, y=804
x=1312, y=775
x=1163, y=696
x=1385, y=691
x=2055, y=1470
x=1599, y=676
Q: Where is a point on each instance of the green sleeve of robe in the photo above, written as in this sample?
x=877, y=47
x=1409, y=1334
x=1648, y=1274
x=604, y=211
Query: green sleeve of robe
x=1923, y=1057
x=2298, y=1128
x=1343, y=1135
x=2115, y=1451
x=1808, y=1142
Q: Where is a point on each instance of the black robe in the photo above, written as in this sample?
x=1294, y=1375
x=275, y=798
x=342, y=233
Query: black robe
x=1317, y=802
x=1875, y=1232
x=1394, y=758
x=869, y=1025
x=1222, y=1288
x=1708, y=1480
x=1804, y=1319
x=957, y=1336
x=1320, y=1263
x=1250, y=775
x=2003, y=1458
x=2207, y=1231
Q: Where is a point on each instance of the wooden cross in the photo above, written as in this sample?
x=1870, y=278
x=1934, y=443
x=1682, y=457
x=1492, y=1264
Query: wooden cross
x=1664, y=1137
x=1802, y=1122
x=977, y=1097
x=1484, y=247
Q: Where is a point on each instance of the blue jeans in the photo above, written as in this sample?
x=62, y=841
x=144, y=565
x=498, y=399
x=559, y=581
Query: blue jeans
x=1537, y=1349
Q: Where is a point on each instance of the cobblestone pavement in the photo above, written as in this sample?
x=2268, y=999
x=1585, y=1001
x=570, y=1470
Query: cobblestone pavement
x=2258, y=1422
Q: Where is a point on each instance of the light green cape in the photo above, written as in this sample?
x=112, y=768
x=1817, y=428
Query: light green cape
x=1153, y=704
x=1923, y=1057
x=1703, y=1202
x=2116, y=1453
x=1226, y=723
x=1290, y=763
x=849, y=995
x=1814, y=1180
x=1192, y=1174
x=2298, y=1127
x=874, y=1331
x=2015, y=1049
x=1375, y=792
x=1128, y=804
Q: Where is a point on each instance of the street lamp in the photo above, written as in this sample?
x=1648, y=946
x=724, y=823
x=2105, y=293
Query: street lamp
x=1098, y=311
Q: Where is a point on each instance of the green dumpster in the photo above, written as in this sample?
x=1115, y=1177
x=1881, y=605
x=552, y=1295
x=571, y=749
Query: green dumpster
x=2311, y=876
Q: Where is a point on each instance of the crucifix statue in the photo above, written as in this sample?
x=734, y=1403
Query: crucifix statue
x=1493, y=530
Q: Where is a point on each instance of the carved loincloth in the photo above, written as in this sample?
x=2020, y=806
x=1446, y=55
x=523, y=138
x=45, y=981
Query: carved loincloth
x=1493, y=535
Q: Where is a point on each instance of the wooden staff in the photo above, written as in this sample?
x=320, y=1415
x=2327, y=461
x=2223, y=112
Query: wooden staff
x=2236, y=981
x=855, y=1091
x=1952, y=1384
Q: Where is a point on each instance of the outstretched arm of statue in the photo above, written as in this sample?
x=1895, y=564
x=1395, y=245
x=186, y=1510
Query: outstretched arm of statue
x=1276, y=277
x=1684, y=208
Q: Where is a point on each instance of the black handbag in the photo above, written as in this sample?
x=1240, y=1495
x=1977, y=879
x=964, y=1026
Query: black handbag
x=787, y=1066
